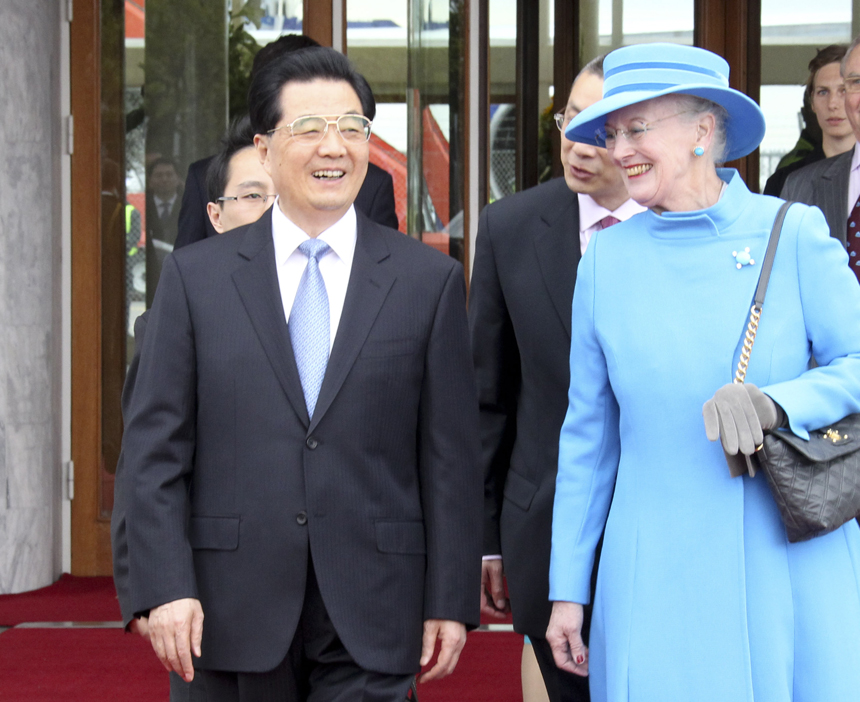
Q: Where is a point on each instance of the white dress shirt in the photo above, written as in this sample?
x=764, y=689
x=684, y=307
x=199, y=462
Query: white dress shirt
x=590, y=214
x=853, y=181
x=335, y=265
x=164, y=207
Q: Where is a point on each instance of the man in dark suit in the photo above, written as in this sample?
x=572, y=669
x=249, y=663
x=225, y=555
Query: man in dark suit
x=319, y=510
x=240, y=190
x=527, y=251
x=833, y=185
x=163, y=190
x=375, y=198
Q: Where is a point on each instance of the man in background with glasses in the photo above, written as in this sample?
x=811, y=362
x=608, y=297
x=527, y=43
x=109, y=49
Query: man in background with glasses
x=240, y=189
x=301, y=454
x=527, y=250
x=833, y=185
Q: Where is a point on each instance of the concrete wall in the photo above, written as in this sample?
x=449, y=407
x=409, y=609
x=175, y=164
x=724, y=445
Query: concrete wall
x=30, y=294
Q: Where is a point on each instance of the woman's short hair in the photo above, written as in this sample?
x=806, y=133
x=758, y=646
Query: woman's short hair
x=701, y=106
x=315, y=63
x=823, y=57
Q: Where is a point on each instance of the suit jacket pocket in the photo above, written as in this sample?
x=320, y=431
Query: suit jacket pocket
x=400, y=537
x=519, y=490
x=216, y=533
x=375, y=348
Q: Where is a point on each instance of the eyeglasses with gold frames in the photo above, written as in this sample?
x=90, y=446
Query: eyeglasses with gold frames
x=353, y=129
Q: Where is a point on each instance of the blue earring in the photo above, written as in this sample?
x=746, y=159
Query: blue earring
x=699, y=151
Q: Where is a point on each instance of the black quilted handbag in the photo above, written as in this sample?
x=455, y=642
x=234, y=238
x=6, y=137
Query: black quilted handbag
x=815, y=483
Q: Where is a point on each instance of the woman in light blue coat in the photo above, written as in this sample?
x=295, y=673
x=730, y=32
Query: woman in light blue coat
x=700, y=596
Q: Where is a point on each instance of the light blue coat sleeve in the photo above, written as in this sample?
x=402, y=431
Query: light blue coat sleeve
x=589, y=449
x=830, y=301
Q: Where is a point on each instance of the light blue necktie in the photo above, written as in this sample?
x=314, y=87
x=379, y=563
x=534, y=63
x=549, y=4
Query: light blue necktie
x=309, y=324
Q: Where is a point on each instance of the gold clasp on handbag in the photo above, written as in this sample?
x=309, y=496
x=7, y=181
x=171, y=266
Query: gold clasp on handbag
x=833, y=435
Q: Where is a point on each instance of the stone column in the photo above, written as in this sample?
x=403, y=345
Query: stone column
x=30, y=312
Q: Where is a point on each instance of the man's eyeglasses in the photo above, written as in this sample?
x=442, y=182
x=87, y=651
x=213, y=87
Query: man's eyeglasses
x=353, y=129
x=636, y=132
x=258, y=200
x=561, y=121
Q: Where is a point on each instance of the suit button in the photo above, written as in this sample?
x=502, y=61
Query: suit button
x=302, y=518
x=312, y=443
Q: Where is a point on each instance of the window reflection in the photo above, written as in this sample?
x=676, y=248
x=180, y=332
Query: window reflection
x=414, y=65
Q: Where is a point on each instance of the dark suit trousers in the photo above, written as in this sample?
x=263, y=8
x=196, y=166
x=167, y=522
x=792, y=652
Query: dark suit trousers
x=561, y=686
x=317, y=668
x=181, y=691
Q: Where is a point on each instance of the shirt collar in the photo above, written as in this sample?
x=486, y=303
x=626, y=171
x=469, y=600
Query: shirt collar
x=340, y=236
x=855, y=159
x=590, y=213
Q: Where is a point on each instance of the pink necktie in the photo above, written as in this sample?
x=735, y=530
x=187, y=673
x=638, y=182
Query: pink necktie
x=853, y=238
x=608, y=221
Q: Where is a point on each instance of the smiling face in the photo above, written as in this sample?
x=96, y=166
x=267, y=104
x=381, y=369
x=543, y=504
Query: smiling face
x=587, y=169
x=828, y=101
x=660, y=168
x=316, y=183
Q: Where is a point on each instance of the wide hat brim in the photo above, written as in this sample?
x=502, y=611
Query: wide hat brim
x=745, y=126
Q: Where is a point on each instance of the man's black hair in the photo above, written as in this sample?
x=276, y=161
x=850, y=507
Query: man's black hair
x=282, y=45
x=316, y=63
x=161, y=161
x=238, y=136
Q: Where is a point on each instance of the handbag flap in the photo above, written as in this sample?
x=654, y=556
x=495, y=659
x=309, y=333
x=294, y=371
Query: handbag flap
x=827, y=444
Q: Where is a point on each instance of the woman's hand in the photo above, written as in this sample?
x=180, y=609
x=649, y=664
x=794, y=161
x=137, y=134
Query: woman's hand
x=564, y=635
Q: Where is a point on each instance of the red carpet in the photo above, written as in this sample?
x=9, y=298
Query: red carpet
x=71, y=598
x=79, y=665
x=90, y=665
x=488, y=671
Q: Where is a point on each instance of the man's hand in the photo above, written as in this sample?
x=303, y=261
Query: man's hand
x=452, y=636
x=139, y=626
x=493, y=600
x=175, y=631
x=564, y=635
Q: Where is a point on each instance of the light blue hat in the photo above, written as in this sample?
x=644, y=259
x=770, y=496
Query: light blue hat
x=641, y=72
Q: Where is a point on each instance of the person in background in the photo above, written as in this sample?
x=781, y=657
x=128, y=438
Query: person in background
x=527, y=249
x=826, y=95
x=375, y=198
x=163, y=190
x=700, y=596
x=833, y=185
x=240, y=190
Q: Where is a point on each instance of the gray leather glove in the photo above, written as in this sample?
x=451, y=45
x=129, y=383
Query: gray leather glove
x=739, y=415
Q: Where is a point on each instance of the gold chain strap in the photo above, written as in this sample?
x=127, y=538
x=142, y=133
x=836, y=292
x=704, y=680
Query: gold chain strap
x=749, y=339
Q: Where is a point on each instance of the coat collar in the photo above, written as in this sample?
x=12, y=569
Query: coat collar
x=370, y=280
x=557, y=247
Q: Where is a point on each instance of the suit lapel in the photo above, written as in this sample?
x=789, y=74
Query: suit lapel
x=834, y=182
x=557, y=249
x=257, y=283
x=369, y=283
